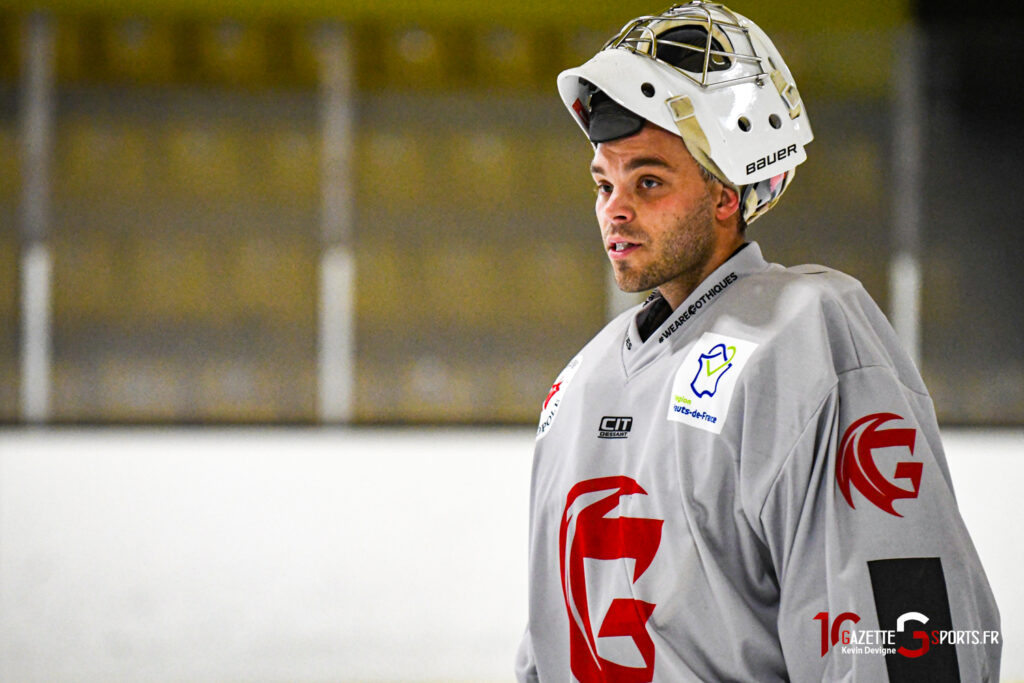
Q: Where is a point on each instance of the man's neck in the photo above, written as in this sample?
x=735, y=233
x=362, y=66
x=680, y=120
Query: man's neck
x=676, y=291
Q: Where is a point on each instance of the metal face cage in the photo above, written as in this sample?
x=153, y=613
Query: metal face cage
x=640, y=36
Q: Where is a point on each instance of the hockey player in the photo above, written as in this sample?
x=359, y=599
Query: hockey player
x=741, y=479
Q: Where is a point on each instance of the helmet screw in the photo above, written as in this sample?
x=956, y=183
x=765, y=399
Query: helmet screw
x=647, y=89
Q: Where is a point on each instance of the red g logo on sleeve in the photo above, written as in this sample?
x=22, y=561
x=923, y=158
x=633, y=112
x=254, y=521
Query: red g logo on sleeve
x=856, y=466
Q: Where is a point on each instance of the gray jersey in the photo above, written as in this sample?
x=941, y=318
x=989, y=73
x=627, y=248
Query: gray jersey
x=756, y=492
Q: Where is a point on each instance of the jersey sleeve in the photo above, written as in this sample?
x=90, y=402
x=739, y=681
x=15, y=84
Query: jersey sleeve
x=878, y=577
x=526, y=667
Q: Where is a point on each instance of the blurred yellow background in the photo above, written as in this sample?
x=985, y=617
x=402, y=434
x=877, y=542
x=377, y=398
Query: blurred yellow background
x=190, y=210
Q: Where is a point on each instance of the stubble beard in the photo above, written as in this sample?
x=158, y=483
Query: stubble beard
x=683, y=256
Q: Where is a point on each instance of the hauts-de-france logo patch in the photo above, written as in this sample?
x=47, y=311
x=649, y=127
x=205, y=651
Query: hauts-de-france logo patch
x=705, y=381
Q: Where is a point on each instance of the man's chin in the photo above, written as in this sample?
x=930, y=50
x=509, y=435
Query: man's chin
x=632, y=285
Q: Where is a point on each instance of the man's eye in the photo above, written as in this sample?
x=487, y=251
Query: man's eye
x=649, y=183
x=603, y=188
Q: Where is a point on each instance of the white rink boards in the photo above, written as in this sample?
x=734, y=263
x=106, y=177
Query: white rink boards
x=319, y=555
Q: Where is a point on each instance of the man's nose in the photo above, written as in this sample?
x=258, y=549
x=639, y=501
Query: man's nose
x=619, y=207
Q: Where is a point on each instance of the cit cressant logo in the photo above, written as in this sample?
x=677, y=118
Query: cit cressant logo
x=614, y=427
x=856, y=466
x=851, y=641
x=588, y=532
x=712, y=366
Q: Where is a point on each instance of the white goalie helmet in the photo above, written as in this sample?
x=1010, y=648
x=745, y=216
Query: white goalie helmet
x=710, y=76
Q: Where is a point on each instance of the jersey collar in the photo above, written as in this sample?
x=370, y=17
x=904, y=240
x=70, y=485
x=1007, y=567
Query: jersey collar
x=637, y=353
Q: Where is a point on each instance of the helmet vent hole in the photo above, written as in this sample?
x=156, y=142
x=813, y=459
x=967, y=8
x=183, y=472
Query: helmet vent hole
x=647, y=89
x=775, y=121
x=744, y=124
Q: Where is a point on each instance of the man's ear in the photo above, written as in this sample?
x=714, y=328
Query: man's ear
x=727, y=202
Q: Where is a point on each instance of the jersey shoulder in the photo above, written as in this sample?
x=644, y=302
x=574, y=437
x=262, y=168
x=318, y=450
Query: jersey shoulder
x=855, y=329
x=806, y=289
x=797, y=294
x=829, y=281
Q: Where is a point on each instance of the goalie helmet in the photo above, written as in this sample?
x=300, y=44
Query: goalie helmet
x=710, y=76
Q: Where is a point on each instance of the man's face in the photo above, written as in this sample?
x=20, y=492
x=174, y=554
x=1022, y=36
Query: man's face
x=655, y=211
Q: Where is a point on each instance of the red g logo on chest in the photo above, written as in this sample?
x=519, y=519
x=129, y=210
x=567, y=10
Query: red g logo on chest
x=587, y=532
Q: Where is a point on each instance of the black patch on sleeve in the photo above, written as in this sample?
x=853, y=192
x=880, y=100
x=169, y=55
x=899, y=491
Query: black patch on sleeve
x=915, y=584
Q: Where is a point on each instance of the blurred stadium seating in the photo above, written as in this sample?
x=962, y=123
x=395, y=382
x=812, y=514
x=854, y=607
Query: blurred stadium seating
x=186, y=212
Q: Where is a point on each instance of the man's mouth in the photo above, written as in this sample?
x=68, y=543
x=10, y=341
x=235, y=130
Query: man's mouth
x=620, y=249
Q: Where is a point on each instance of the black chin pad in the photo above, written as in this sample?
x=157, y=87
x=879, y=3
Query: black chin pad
x=609, y=120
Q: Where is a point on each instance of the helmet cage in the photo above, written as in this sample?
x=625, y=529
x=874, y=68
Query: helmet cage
x=639, y=37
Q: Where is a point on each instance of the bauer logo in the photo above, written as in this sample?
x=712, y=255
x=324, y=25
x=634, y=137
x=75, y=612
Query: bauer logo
x=549, y=409
x=763, y=162
x=705, y=381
